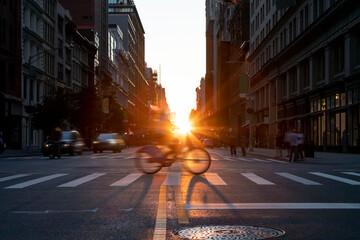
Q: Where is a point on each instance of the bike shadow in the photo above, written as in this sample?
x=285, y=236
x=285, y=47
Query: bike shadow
x=194, y=183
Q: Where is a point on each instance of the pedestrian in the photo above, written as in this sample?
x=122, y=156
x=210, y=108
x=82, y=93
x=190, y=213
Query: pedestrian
x=278, y=143
x=243, y=144
x=293, y=141
x=233, y=145
x=301, y=141
x=287, y=142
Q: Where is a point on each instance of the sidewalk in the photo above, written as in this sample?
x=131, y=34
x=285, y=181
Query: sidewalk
x=319, y=157
x=19, y=153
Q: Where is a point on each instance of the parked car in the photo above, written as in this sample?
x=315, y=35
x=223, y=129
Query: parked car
x=208, y=143
x=108, y=141
x=71, y=142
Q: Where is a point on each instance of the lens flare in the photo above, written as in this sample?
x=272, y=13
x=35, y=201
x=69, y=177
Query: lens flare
x=184, y=127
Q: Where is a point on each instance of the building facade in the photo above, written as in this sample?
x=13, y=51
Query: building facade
x=124, y=14
x=302, y=79
x=10, y=73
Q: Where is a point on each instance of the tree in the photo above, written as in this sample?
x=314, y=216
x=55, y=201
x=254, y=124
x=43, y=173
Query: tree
x=87, y=114
x=114, y=120
x=52, y=112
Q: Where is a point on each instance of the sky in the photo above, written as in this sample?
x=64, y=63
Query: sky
x=175, y=40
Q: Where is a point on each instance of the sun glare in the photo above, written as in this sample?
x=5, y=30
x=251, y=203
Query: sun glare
x=184, y=126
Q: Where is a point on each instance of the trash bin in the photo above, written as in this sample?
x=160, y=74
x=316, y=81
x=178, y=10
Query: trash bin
x=309, y=149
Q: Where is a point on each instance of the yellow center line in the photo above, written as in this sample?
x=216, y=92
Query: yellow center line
x=160, y=225
x=180, y=207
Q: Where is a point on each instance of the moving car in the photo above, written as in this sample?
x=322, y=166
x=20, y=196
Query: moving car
x=208, y=143
x=108, y=141
x=71, y=142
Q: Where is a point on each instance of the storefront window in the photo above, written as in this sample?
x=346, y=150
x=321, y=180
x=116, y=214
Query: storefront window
x=342, y=99
x=328, y=103
x=332, y=101
x=323, y=104
x=337, y=100
x=312, y=107
x=356, y=96
x=349, y=97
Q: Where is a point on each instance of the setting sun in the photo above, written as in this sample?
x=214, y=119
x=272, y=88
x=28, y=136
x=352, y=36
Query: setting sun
x=184, y=126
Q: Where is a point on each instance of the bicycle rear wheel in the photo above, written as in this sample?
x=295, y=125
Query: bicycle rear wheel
x=149, y=159
x=196, y=161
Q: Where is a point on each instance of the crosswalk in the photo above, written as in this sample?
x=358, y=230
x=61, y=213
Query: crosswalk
x=104, y=156
x=175, y=178
x=216, y=157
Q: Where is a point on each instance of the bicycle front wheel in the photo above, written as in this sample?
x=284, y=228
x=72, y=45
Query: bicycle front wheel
x=196, y=161
x=149, y=159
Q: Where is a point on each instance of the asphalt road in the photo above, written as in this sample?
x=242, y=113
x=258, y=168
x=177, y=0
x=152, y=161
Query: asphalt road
x=103, y=196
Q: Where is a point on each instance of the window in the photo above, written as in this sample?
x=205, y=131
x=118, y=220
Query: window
x=60, y=48
x=294, y=28
x=349, y=99
x=357, y=49
x=306, y=16
x=60, y=25
x=320, y=66
x=305, y=74
x=338, y=51
x=60, y=72
x=293, y=80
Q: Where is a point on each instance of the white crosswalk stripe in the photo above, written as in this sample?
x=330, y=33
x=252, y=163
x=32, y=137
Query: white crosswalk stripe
x=340, y=179
x=82, y=180
x=259, y=160
x=13, y=177
x=277, y=161
x=256, y=179
x=214, y=179
x=297, y=179
x=36, y=181
x=126, y=181
x=244, y=159
x=352, y=173
x=172, y=179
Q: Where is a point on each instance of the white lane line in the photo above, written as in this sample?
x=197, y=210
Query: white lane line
x=244, y=159
x=229, y=159
x=126, y=181
x=298, y=179
x=277, y=161
x=36, y=181
x=223, y=206
x=13, y=177
x=130, y=157
x=259, y=160
x=214, y=179
x=82, y=180
x=340, y=179
x=172, y=179
x=352, y=173
x=256, y=179
x=55, y=211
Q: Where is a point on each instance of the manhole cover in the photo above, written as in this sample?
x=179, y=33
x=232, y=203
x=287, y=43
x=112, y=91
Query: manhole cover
x=229, y=232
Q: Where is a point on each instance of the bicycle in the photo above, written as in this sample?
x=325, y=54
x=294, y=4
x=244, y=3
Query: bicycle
x=150, y=159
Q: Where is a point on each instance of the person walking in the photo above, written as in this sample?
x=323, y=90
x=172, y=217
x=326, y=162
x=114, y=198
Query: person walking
x=287, y=142
x=301, y=141
x=233, y=145
x=293, y=141
x=243, y=144
x=278, y=143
